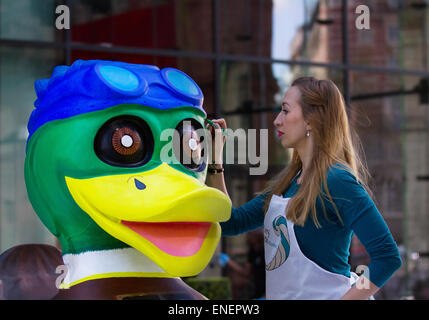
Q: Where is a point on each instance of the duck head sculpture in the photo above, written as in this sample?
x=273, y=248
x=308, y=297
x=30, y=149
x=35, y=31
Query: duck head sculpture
x=97, y=177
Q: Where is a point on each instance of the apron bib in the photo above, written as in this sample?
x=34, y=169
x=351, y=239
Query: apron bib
x=289, y=273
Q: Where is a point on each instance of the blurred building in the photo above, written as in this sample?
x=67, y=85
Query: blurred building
x=244, y=55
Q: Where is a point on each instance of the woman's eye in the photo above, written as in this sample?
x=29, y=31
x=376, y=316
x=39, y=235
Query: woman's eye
x=124, y=141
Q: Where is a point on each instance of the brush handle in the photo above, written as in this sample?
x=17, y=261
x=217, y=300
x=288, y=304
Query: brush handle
x=215, y=125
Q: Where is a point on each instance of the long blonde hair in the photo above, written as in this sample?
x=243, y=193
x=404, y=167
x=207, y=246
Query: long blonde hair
x=335, y=141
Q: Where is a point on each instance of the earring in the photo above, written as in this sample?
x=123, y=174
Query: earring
x=308, y=133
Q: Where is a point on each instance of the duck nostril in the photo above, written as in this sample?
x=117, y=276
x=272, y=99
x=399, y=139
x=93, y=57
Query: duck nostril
x=139, y=185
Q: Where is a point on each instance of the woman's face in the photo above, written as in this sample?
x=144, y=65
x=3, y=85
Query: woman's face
x=290, y=125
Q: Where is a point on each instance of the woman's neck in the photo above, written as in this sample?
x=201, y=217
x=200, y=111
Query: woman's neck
x=299, y=180
x=305, y=152
x=304, y=168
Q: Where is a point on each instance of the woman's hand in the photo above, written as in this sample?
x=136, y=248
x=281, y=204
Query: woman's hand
x=218, y=140
x=362, y=290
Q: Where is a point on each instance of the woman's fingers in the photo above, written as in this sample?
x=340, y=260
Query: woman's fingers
x=221, y=122
x=217, y=124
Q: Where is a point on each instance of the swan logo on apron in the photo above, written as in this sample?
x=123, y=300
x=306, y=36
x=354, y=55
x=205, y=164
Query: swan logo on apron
x=289, y=273
x=277, y=243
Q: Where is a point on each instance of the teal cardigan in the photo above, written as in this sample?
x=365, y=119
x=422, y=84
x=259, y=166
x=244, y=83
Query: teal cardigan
x=329, y=245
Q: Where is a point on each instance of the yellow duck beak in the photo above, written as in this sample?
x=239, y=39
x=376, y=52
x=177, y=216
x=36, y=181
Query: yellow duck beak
x=166, y=214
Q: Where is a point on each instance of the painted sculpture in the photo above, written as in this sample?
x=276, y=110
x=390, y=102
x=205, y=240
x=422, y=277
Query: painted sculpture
x=129, y=223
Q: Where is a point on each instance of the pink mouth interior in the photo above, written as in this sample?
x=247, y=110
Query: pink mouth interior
x=180, y=239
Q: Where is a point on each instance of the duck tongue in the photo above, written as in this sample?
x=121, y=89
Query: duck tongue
x=180, y=239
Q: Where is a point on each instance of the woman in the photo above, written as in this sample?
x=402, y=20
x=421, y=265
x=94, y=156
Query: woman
x=307, y=239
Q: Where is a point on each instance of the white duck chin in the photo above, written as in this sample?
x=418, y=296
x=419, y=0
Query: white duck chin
x=124, y=262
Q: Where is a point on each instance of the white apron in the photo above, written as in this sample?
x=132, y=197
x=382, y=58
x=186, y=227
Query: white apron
x=290, y=274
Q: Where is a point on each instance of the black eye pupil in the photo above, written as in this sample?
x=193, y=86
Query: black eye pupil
x=124, y=141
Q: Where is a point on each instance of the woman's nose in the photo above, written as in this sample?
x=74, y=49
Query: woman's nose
x=277, y=122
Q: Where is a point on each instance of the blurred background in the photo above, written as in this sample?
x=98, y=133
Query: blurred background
x=244, y=54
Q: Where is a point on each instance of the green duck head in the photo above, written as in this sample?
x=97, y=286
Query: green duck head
x=98, y=166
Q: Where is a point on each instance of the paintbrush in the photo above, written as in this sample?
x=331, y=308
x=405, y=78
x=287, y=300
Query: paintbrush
x=215, y=125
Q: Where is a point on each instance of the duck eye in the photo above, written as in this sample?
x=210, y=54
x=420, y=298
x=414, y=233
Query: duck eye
x=190, y=152
x=193, y=144
x=124, y=141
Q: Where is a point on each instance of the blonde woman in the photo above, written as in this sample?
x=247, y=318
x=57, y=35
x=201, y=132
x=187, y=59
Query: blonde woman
x=311, y=210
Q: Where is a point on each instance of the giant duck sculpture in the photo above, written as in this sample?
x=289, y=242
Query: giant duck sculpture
x=130, y=224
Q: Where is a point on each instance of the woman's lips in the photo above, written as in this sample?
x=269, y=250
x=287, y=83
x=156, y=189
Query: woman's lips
x=279, y=133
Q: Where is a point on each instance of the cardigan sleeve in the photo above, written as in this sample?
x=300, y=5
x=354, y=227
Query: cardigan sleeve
x=249, y=216
x=360, y=214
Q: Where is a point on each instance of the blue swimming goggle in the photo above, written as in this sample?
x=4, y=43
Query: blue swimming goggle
x=93, y=85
